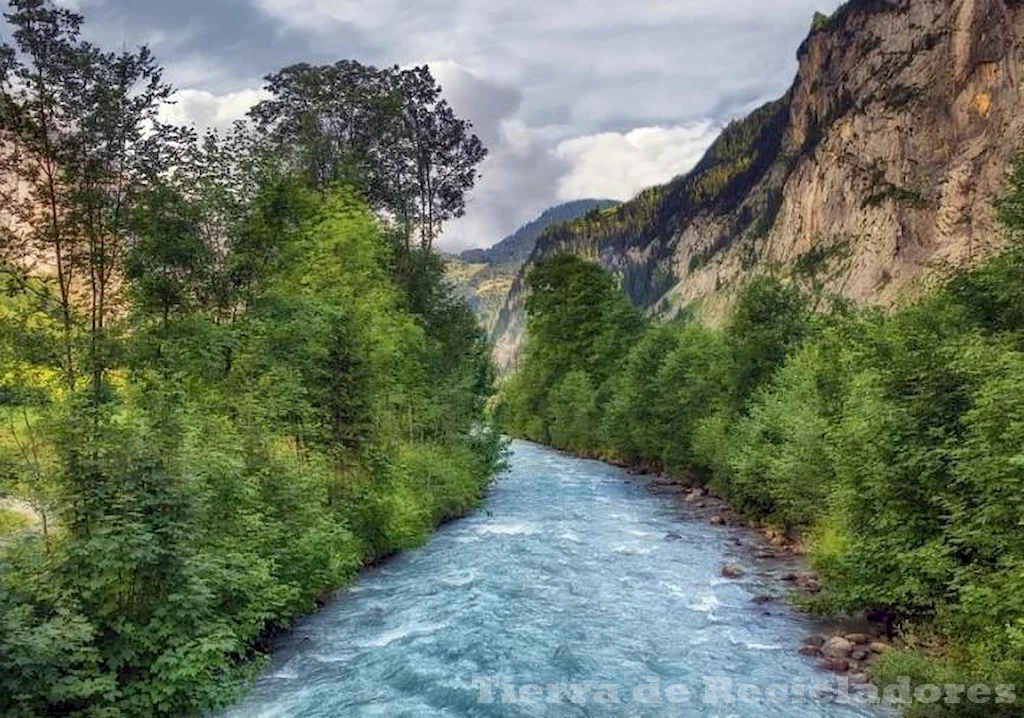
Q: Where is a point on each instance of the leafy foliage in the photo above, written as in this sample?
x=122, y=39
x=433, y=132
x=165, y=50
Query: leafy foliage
x=224, y=387
x=387, y=132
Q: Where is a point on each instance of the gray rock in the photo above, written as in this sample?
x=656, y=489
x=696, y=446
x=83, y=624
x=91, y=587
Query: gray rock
x=732, y=571
x=836, y=648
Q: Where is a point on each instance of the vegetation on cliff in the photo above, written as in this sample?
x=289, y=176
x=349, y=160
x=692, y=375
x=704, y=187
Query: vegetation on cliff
x=516, y=248
x=735, y=162
x=892, y=440
x=225, y=384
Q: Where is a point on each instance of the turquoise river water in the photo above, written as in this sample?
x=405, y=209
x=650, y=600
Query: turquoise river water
x=576, y=592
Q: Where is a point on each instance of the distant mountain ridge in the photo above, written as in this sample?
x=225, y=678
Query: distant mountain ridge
x=874, y=172
x=517, y=247
x=484, y=276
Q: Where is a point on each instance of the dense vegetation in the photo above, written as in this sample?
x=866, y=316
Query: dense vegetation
x=485, y=276
x=892, y=440
x=737, y=160
x=225, y=382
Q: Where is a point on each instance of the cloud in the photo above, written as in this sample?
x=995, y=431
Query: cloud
x=604, y=65
x=520, y=175
x=78, y=5
x=579, y=98
x=204, y=110
x=530, y=168
x=321, y=15
x=485, y=101
x=618, y=165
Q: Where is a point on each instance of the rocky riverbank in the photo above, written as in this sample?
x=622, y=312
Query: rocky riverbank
x=843, y=645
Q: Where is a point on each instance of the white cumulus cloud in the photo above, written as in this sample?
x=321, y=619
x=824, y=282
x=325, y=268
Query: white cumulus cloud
x=205, y=110
x=618, y=165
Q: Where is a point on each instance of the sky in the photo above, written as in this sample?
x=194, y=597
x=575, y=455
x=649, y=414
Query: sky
x=573, y=98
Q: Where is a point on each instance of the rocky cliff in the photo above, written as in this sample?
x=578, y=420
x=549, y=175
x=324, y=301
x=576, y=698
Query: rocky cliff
x=874, y=172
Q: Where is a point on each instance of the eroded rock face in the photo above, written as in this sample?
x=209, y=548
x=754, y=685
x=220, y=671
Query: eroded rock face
x=903, y=120
x=875, y=172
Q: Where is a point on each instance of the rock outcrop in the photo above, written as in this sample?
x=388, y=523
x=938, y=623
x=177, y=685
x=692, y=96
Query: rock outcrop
x=875, y=172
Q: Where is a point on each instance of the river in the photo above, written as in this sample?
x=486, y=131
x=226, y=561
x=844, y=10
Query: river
x=575, y=593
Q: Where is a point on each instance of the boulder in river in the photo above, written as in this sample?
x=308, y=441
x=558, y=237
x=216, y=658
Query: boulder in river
x=731, y=570
x=835, y=665
x=816, y=641
x=717, y=520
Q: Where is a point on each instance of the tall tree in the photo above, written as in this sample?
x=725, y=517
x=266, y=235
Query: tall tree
x=84, y=142
x=389, y=133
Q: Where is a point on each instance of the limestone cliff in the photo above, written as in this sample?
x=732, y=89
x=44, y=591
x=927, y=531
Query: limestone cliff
x=876, y=170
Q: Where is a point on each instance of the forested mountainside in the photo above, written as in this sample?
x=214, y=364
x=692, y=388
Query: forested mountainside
x=518, y=246
x=877, y=168
x=887, y=443
x=483, y=276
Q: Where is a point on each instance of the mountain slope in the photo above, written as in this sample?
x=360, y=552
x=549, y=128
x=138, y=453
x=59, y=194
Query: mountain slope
x=484, y=276
x=517, y=247
x=875, y=170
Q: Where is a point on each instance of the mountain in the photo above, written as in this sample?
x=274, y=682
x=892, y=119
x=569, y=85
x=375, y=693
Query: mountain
x=874, y=172
x=484, y=276
x=517, y=247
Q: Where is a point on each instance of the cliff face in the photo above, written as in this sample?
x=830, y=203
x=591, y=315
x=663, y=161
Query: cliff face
x=876, y=170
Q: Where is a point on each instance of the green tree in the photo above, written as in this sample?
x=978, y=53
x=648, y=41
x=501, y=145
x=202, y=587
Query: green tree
x=387, y=132
x=769, y=319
